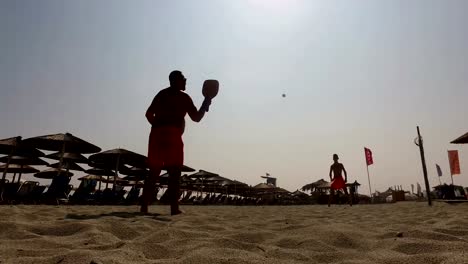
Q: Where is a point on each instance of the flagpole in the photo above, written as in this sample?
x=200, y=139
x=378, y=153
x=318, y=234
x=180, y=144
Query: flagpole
x=423, y=161
x=368, y=178
x=451, y=174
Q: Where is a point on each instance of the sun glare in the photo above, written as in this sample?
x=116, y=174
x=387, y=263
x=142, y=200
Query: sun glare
x=274, y=5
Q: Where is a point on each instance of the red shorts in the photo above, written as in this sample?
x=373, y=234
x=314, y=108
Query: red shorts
x=338, y=183
x=165, y=148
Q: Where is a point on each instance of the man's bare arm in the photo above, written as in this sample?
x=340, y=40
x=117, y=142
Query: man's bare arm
x=345, y=175
x=150, y=115
x=197, y=115
x=330, y=174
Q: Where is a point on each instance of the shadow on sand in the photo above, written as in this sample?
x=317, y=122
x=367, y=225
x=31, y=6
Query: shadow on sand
x=117, y=214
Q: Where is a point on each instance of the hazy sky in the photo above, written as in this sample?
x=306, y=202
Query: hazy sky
x=356, y=73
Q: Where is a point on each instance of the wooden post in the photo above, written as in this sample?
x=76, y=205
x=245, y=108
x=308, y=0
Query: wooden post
x=423, y=161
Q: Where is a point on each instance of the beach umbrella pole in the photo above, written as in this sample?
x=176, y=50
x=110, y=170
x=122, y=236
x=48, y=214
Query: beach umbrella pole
x=116, y=171
x=61, y=159
x=423, y=161
x=20, y=173
x=8, y=163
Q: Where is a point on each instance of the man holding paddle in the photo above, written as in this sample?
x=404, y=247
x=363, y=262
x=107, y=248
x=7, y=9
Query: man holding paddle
x=166, y=114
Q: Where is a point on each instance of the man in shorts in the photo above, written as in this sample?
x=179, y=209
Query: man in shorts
x=166, y=114
x=337, y=181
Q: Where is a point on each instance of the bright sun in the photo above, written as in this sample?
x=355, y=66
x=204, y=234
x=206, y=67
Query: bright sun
x=273, y=4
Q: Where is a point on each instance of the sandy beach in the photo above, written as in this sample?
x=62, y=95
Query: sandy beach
x=230, y=234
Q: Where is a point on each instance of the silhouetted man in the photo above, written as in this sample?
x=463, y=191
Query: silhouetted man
x=337, y=182
x=166, y=114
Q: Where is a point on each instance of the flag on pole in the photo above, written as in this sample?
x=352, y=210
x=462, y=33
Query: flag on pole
x=439, y=171
x=369, y=159
x=454, y=162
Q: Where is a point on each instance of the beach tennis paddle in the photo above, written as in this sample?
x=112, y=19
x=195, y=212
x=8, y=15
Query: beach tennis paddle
x=210, y=90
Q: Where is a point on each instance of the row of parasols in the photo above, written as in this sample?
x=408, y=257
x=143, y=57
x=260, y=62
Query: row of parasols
x=21, y=154
x=68, y=150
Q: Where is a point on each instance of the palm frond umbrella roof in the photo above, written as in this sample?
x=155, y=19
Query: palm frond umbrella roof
x=16, y=147
x=52, y=173
x=299, y=194
x=60, y=142
x=202, y=174
x=106, y=166
x=100, y=172
x=183, y=169
x=461, y=140
x=16, y=168
x=68, y=165
x=91, y=177
x=67, y=156
x=119, y=156
x=263, y=186
x=113, y=179
x=135, y=171
x=22, y=160
x=317, y=184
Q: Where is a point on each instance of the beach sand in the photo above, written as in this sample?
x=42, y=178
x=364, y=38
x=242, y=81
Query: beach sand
x=229, y=234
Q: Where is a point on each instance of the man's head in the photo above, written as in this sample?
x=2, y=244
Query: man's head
x=177, y=80
x=335, y=157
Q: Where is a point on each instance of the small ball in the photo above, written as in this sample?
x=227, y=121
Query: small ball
x=284, y=95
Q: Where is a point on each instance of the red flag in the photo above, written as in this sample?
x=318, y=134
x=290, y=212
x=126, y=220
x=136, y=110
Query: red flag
x=454, y=162
x=369, y=159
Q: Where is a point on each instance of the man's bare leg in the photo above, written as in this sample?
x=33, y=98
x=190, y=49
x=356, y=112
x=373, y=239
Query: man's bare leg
x=350, y=198
x=330, y=197
x=174, y=190
x=148, y=190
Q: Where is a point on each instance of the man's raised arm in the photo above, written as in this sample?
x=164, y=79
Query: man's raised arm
x=197, y=115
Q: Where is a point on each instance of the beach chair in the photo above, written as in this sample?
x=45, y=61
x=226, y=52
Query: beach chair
x=133, y=194
x=58, y=190
x=191, y=199
x=84, y=192
x=25, y=191
x=9, y=191
x=36, y=194
x=187, y=196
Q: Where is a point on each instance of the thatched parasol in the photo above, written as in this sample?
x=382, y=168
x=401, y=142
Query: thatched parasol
x=101, y=172
x=22, y=161
x=51, y=173
x=461, y=140
x=68, y=165
x=184, y=168
x=140, y=173
x=317, y=184
x=91, y=177
x=15, y=168
x=14, y=147
x=63, y=143
x=68, y=156
x=117, y=158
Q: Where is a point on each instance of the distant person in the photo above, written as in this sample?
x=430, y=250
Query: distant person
x=166, y=114
x=337, y=181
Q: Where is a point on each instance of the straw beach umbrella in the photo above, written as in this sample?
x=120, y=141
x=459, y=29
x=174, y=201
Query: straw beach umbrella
x=461, y=140
x=101, y=172
x=63, y=143
x=14, y=147
x=67, y=156
x=117, y=158
x=22, y=161
x=91, y=177
x=51, y=173
x=16, y=168
x=67, y=165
